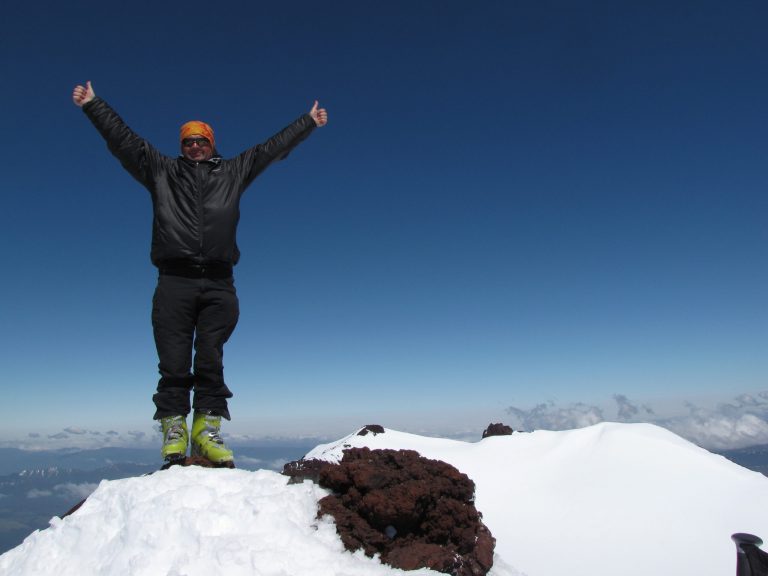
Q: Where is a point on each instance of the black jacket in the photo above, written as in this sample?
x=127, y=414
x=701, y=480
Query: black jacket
x=196, y=204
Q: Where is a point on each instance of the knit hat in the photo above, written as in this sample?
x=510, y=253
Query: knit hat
x=197, y=127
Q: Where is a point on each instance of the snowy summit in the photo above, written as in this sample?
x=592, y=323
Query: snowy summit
x=610, y=498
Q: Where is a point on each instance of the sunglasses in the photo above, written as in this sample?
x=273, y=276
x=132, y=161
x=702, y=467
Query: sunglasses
x=189, y=142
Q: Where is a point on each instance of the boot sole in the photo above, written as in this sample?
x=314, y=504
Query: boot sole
x=174, y=459
x=223, y=463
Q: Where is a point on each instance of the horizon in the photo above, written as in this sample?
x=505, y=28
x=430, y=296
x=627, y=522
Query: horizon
x=740, y=423
x=542, y=214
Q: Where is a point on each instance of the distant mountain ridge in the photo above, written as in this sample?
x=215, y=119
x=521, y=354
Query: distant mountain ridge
x=15, y=459
x=753, y=457
x=41, y=472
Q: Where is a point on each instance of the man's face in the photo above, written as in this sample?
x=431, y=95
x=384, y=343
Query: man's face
x=196, y=148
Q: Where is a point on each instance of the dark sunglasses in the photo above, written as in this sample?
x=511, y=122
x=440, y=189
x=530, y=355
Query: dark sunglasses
x=189, y=142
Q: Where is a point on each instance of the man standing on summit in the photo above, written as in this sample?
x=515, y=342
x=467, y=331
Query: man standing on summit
x=196, y=199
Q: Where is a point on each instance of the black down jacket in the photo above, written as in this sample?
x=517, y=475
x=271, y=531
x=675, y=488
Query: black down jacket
x=196, y=204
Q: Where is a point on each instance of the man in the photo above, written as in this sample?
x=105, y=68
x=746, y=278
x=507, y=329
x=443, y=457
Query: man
x=195, y=199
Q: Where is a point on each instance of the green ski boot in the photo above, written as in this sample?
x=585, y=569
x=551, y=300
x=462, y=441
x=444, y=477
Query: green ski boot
x=207, y=442
x=175, y=438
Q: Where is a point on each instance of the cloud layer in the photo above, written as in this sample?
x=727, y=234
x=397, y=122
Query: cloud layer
x=735, y=424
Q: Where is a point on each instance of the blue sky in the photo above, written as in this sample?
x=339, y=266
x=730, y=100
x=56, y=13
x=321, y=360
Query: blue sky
x=514, y=203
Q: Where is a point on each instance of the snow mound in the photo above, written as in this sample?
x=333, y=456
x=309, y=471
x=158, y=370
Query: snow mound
x=629, y=498
x=613, y=498
x=196, y=521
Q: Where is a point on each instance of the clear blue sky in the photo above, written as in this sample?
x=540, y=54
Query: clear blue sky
x=512, y=203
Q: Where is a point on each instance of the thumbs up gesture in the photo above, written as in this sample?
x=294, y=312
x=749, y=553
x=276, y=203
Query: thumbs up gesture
x=83, y=94
x=319, y=115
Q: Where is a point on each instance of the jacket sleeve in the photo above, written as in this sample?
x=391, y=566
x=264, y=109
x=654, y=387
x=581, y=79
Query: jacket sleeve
x=127, y=146
x=255, y=160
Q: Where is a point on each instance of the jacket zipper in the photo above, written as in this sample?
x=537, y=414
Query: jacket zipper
x=199, y=179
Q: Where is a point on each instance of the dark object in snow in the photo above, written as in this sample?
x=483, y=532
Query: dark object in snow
x=372, y=428
x=497, y=430
x=74, y=508
x=414, y=512
x=300, y=470
x=750, y=560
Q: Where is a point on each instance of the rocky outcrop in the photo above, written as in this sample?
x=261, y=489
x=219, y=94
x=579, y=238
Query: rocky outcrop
x=497, y=430
x=300, y=470
x=412, y=511
x=372, y=428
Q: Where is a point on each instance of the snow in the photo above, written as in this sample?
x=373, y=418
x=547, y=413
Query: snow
x=633, y=499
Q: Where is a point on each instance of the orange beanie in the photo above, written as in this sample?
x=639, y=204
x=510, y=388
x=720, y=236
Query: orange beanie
x=197, y=127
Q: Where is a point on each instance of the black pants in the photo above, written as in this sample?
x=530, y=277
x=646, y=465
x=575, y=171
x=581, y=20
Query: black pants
x=186, y=313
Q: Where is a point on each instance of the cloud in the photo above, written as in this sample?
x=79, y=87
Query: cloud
x=76, y=434
x=730, y=425
x=552, y=417
x=248, y=461
x=81, y=431
x=35, y=493
x=73, y=491
x=628, y=411
x=736, y=424
x=82, y=438
x=276, y=465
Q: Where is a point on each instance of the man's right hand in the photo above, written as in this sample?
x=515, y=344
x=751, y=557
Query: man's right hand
x=83, y=94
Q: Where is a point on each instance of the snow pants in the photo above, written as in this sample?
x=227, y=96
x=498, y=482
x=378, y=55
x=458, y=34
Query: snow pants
x=187, y=314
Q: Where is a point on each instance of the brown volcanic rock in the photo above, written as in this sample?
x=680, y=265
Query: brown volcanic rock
x=414, y=512
x=372, y=428
x=300, y=470
x=497, y=430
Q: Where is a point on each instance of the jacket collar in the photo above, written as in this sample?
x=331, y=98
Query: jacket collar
x=213, y=161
